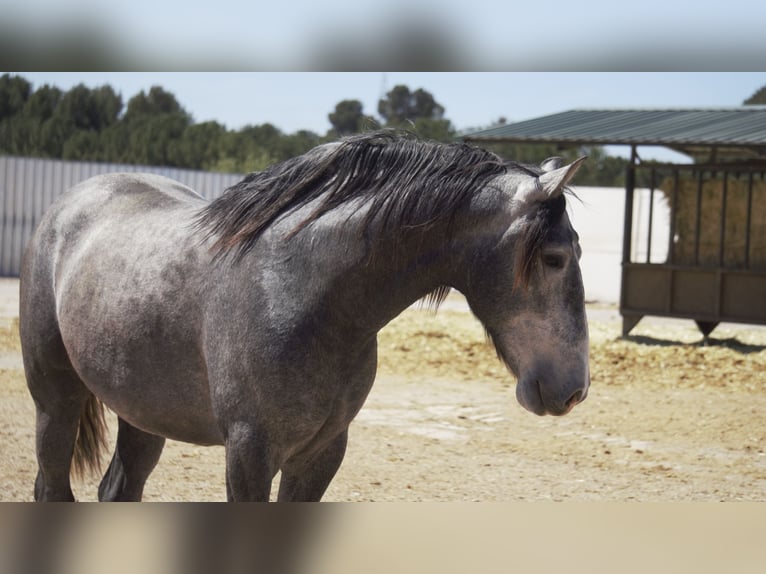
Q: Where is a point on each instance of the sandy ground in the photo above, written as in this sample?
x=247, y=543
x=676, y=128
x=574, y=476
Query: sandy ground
x=667, y=419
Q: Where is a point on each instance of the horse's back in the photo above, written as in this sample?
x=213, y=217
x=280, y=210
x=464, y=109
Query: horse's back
x=107, y=200
x=117, y=195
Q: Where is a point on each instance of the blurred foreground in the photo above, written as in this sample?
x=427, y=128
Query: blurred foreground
x=482, y=35
x=329, y=539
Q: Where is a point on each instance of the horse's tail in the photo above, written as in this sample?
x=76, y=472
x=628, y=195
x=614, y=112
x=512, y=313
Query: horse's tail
x=91, y=439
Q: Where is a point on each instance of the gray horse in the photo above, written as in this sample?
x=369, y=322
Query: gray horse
x=251, y=321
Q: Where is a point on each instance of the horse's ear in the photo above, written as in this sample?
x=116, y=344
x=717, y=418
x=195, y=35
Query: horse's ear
x=553, y=182
x=551, y=163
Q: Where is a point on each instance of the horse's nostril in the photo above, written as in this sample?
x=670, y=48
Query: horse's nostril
x=574, y=399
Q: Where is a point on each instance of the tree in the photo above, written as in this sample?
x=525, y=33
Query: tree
x=43, y=102
x=52, y=134
x=17, y=135
x=200, y=145
x=300, y=142
x=154, y=140
x=90, y=109
x=348, y=118
x=435, y=130
x=252, y=148
x=79, y=116
x=758, y=98
x=14, y=92
x=154, y=125
x=401, y=106
x=82, y=145
x=15, y=132
x=417, y=111
x=107, y=107
x=156, y=102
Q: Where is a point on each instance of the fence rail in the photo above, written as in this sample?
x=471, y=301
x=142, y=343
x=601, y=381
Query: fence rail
x=28, y=186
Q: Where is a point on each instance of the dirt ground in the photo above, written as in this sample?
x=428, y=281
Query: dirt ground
x=667, y=419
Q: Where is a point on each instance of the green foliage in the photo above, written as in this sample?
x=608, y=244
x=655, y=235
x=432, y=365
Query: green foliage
x=43, y=102
x=14, y=93
x=349, y=118
x=416, y=111
x=300, y=142
x=156, y=103
x=86, y=109
x=401, y=105
x=93, y=124
x=200, y=145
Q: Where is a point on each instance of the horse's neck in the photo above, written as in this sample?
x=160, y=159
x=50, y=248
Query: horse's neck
x=364, y=279
x=410, y=264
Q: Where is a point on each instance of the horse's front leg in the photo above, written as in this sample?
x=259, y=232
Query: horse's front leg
x=135, y=456
x=308, y=481
x=250, y=465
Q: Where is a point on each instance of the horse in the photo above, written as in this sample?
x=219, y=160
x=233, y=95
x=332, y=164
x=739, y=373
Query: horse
x=250, y=321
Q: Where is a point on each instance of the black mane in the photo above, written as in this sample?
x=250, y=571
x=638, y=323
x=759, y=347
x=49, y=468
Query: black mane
x=407, y=183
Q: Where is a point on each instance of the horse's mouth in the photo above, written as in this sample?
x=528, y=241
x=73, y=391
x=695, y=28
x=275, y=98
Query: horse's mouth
x=530, y=396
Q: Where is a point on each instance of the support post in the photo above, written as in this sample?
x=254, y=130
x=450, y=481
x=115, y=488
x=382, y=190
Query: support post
x=628, y=321
x=630, y=186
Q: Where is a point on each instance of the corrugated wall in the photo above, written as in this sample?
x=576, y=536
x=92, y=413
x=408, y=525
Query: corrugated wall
x=29, y=185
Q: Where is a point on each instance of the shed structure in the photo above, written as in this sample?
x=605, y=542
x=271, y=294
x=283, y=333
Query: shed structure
x=713, y=266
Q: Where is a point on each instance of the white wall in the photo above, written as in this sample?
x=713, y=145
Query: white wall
x=598, y=218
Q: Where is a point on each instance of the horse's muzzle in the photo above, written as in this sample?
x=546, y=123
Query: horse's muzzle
x=536, y=398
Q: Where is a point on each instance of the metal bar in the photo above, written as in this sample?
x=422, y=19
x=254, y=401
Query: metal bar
x=19, y=192
x=698, y=219
x=669, y=293
x=630, y=185
x=673, y=210
x=6, y=165
x=652, y=180
x=724, y=202
x=749, y=219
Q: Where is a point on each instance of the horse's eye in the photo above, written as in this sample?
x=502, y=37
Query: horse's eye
x=553, y=260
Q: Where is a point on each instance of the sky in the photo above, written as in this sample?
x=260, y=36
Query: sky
x=294, y=101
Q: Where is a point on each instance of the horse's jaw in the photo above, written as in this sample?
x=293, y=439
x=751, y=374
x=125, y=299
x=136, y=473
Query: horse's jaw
x=552, y=368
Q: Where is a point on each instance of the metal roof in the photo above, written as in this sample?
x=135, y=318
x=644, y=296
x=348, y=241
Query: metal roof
x=737, y=133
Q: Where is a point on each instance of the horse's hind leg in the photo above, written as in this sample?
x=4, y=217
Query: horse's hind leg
x=308, y=482
x=60, y=403
x=135, y=456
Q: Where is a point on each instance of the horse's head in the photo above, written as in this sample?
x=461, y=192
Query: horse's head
x=526, y=287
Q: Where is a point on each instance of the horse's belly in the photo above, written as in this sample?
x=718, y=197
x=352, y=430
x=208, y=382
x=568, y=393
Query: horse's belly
x=185, y=424
x=142, y=358
x=162, y=405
